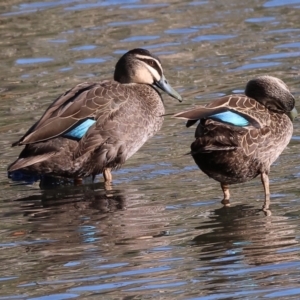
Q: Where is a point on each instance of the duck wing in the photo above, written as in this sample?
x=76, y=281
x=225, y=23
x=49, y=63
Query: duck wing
x=228, y=123
x=235, y=110
x=86, y=101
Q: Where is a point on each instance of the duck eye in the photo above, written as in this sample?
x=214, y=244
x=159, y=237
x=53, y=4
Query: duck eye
x=151, y=63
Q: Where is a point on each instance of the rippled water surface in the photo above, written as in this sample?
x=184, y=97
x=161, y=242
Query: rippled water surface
x=161, y=233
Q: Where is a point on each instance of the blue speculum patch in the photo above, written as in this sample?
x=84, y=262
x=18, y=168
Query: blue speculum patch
x=231, y=118
x=79, y=131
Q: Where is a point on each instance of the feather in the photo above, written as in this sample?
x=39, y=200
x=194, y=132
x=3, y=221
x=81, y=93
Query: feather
x=73, y=108
x=27, y=161
x=80, y=130
x=200, y=112
x=231, y=118
x=233, y=110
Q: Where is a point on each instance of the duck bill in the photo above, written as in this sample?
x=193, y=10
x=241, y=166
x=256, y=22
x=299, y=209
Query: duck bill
x=166, y=87
x=292, y=114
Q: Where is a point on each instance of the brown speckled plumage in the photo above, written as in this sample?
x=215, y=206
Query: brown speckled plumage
x=233, y=154
x=127, y=112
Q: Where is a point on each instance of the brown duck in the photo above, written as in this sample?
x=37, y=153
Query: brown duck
x=95, y=127
x=240, y=136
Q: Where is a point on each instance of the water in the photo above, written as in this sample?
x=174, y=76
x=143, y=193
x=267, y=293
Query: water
x=161, y=232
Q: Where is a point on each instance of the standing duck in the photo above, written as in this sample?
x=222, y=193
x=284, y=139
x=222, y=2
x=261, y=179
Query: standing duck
x=95, y=127
x=240, y=136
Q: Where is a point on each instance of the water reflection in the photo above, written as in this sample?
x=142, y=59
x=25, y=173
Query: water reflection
x=52, y=200
x=92, y=213
x=84, y=229
x=241, y=236
x=239, y=241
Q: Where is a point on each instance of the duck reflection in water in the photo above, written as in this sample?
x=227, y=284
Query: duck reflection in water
x=87, y=196
x=87, y=223
x=240, y=136
x=114, y=212
x=241, y=234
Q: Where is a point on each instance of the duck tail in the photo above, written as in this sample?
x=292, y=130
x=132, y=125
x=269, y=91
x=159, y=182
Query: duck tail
x=22, y=163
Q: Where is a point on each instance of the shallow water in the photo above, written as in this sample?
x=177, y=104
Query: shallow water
x=161, y=232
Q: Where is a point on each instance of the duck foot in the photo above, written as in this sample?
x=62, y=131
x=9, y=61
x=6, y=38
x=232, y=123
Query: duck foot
x=225, y=189
x=107, y=179
x=266, y=207
x=226, y=202
x=78, y=181
x=267, y=211
x=107, y=186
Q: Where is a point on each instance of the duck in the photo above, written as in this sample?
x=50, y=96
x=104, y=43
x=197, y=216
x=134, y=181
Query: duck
x=239, y=136
x=95, y=127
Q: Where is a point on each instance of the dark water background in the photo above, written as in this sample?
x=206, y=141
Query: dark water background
x=161, y=233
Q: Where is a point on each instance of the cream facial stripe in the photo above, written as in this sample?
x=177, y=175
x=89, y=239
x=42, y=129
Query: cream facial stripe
x=152, y=70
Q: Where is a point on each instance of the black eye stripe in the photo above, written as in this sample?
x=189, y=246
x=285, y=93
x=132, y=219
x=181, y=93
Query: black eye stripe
x=153, y=64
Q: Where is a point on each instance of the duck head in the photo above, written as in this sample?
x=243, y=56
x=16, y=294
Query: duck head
x=273, y=93
x=140, y=66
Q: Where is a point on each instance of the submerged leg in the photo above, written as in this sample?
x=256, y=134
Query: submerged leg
x=225, y=189
x=265, y=182
x=107, y=177
x=78, y=181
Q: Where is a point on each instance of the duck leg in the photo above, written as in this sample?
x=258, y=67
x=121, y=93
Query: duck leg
x=265, y=182
x=107, y=177
x=225, y=189
x=78, y=181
